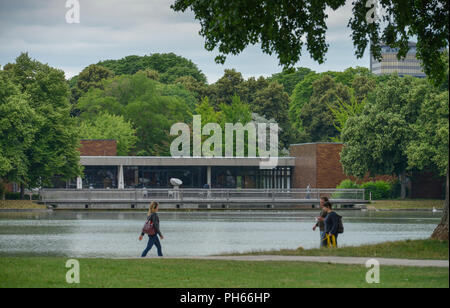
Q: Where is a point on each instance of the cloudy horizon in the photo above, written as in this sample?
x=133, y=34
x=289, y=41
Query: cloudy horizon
x=113, y=29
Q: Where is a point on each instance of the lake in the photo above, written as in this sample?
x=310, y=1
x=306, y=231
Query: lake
x=115, y=234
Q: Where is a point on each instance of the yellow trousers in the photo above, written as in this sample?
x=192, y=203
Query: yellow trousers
x=331, y=241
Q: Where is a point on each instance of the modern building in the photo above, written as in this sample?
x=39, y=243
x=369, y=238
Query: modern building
x=410, y=66
x=316, y=165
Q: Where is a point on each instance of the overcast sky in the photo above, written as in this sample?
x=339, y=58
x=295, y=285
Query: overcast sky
x=113, y=29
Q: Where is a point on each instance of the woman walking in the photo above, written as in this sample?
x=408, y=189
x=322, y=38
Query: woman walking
x=153, y=220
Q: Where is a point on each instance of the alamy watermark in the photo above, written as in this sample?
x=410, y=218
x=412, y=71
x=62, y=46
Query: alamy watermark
x=73, y=14
x=257, y=141
x=73, y=274
x=373, y=274
x=373, y=14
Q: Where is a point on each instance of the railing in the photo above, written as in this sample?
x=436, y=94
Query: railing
x=201, y=195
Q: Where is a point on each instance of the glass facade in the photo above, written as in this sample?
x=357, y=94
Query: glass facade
x=100, y=177
x=159, y=177
x=250, y=177
x=104, y=177
x=389, y=64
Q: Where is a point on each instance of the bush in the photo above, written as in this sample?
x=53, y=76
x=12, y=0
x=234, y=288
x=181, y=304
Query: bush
x=379, y=189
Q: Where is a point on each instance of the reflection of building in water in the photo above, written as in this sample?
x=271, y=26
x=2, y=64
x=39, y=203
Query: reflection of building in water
x=390, y=64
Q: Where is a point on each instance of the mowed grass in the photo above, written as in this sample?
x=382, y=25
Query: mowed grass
x=425, y=204
x=428, y=249
x=19, y=205
x=179, y=273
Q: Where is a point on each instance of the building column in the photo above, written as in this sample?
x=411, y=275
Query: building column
x=208, y=176
x=120, y=181
x=79, y=183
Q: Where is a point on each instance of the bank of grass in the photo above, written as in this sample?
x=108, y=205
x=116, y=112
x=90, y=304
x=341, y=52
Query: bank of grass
x=428, y=249
x=20, y=205
x=421, y=204
x=179, y=273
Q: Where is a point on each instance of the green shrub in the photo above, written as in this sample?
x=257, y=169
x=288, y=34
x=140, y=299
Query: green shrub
x=379, y=189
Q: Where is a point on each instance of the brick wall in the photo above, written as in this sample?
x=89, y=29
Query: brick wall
x=305, y=165
x=319, y=165
x=98, y=147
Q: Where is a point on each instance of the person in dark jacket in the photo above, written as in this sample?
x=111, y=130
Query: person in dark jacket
x=152, y=215
x=320, y=220
x=331, y=226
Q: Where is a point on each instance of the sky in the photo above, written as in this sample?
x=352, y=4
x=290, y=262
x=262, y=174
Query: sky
x=113, y=29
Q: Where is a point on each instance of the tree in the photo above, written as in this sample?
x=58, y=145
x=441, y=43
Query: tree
x=273, y=103
x=54, y=148
x=18, y=126
x=431, y=147
x=91, y=77
x=229, y=85
x=284, y=27
x=107, y=126
x=150, y=106
x=289, y=78
x=315, y=116
x=377, y=139
x=301, y=95
x=281, y=26
x=168, y=65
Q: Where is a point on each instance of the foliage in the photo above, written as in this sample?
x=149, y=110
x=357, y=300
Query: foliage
x=168, y=65
x=289, y=78
x=430, y=149
x=427, y=20
x=38, y=118
x=284, y=27
x=141, y=101
x=106, y=126
x=315, y=116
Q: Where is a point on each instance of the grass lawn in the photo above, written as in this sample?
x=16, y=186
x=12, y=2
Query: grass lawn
x=51, y=272
x=426, y=204
x=410, y=249
x=19, y=205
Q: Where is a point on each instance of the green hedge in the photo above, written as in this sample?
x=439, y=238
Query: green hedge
x=379, y=189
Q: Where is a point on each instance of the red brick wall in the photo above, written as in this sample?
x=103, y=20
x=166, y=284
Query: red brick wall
x=305, y=165
x=319, y=165
x=98, y=148
x=329, y=167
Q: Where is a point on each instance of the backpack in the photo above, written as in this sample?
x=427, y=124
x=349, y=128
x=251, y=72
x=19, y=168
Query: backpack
x=340, y=225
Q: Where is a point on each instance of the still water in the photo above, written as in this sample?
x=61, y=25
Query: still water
x=115, y=234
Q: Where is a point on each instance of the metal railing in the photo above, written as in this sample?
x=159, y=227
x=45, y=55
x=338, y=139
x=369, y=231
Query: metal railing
x=187, y=195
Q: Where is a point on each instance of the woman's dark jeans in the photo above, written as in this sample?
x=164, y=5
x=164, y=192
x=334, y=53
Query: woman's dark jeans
x=153, y=240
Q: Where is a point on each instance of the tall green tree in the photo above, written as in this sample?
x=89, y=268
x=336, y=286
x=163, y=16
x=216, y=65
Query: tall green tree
x=376, y=141
x=54, y=150
x=430, y=149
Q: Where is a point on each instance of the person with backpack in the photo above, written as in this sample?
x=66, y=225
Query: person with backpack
x=333, y=226
x=151, y=228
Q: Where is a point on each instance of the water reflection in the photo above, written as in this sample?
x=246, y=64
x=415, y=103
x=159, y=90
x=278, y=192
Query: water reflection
x=115, y=234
